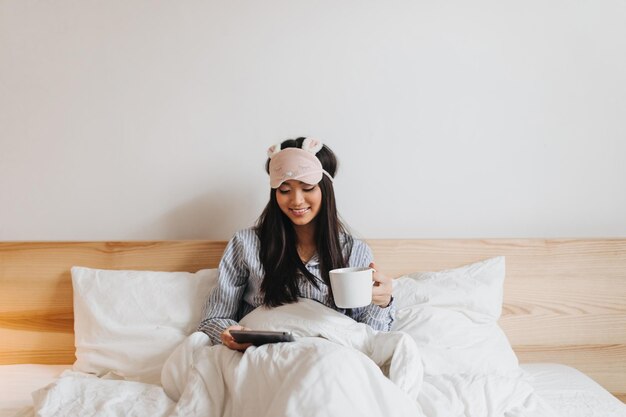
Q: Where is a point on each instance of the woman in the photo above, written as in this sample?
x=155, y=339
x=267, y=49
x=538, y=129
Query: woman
x=297, y=240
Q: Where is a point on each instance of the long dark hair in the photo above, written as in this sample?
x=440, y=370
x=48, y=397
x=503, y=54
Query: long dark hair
x=278, y=252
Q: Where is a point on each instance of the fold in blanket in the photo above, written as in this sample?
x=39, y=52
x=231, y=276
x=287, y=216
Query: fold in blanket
x=335, y=367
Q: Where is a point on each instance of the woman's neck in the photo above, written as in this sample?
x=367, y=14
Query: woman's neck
x=306, y=235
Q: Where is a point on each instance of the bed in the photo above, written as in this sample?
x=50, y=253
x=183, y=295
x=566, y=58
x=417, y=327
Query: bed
x=559, y=303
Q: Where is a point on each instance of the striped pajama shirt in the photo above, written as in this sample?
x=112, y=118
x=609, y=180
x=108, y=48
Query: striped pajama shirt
x=239, y=287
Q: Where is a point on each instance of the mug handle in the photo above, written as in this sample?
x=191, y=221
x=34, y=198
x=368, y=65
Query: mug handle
x=373, y=270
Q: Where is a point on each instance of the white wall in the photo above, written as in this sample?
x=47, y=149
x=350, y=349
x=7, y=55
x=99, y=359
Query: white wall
x=150, y=119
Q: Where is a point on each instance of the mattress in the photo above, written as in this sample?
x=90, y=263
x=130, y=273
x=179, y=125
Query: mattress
x=571, y=392
x=18, y=381
x=567, y=390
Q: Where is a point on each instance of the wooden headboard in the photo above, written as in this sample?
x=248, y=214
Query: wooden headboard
x=565, y=300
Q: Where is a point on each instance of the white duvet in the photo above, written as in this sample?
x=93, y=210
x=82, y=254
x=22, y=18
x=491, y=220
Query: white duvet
x=335, y=367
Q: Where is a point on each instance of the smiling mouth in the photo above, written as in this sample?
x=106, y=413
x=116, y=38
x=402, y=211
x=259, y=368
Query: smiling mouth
x=300, y=212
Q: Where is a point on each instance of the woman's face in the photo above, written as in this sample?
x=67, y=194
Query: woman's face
x=299, y=201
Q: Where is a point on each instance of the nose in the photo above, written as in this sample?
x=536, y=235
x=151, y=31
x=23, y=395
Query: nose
x=297, y=197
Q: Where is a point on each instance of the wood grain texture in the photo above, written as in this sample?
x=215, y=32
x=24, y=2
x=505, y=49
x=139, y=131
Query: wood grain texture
x=564, y=299
x=36, y=312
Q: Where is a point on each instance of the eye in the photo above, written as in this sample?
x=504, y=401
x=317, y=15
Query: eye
x=306, y=190
x=283, y=191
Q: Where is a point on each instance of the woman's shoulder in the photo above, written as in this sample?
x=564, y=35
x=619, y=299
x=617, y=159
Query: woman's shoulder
x=246, y=233
x=359, y=250
x=247, y=238
x=354, y=242
x=361, y=247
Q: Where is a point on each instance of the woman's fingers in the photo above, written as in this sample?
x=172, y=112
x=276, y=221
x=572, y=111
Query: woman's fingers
x=229, y=341
x=382, y=288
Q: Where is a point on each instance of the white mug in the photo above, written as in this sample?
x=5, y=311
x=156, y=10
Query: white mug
x=352, y=287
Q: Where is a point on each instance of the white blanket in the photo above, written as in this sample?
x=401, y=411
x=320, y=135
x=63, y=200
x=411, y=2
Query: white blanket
x=335, y=367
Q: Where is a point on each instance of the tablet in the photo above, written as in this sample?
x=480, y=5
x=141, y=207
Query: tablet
x=258, y=338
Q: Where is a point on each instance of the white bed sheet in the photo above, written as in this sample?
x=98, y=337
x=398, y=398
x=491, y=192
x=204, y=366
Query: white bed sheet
x=571, y=392
x=17, y=382
x=567, y=390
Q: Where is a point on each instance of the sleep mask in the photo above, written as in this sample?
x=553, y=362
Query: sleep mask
x=296, y=163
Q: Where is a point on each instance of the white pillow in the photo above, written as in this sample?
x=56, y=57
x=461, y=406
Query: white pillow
x=128, y=322
x=453, y=317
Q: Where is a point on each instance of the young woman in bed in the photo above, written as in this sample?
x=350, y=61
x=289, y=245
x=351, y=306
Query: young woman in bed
x=297, y=240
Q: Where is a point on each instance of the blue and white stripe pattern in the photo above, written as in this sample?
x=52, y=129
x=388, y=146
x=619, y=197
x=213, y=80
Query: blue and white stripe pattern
x=239, y=287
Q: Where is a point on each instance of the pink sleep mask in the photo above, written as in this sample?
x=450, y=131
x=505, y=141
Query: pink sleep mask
x=296, y=164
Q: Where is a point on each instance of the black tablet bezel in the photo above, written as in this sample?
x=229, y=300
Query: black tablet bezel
x=261, y=337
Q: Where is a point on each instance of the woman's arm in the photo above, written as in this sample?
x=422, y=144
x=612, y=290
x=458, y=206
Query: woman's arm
x=376, y=317
x=222, y=305
x=380, y=314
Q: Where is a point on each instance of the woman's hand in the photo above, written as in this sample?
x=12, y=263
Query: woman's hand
x=382, y=288
x=229, y=342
